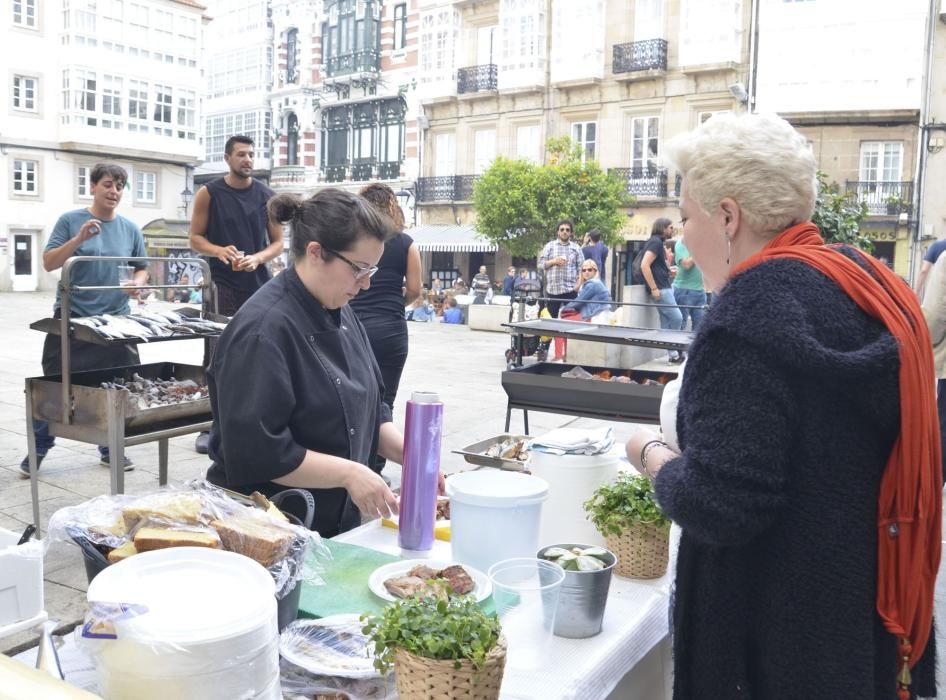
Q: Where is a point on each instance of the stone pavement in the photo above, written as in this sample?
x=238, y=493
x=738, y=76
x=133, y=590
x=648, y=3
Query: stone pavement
x=463, y=365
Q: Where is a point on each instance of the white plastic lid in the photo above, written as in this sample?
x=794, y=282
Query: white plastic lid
x=193, y=594
x=497, y=487
x=425, y=397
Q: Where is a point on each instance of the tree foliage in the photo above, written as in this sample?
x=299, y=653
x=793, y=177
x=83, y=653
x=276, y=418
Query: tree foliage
x=518, y=203
x=839, y=215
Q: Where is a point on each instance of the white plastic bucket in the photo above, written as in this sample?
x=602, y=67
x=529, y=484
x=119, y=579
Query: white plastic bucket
x=572, y=480
x=494, y=515
x=208, y=629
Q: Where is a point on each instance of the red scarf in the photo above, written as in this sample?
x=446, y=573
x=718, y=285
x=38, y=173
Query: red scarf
x=910, y=500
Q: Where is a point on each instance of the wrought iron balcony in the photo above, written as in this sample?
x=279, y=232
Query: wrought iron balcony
x=450, y=188
x=364, y=61
x=335, y=173
x=360, y=172
x=889, y=198
x=650, y=182
x=389, y=171
x=477, y=79
x=640, y=55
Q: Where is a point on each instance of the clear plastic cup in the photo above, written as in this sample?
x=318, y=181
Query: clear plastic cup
x=126, y=275
x=525, y=593
x=235, y=262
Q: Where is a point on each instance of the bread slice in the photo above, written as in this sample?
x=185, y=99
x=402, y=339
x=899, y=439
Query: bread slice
x=254, y=537
x=182, y=508
x=149, y=538
x=123, y=552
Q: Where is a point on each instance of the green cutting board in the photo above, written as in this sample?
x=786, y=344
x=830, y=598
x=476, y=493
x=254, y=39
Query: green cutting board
x=346, y=582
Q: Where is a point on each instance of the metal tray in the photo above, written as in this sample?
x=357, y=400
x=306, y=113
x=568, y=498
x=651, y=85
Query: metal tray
x=474, y=453
x=53, y=326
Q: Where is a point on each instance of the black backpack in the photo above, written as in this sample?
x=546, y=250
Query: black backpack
x=637, y=277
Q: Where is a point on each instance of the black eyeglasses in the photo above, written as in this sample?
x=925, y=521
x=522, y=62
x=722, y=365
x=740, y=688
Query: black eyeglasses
x=359, y=271
x=565, y=229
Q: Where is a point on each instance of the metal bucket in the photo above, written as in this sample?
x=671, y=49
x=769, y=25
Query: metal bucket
x=583, y=597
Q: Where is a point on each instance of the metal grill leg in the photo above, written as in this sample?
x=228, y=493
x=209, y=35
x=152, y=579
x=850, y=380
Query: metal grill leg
x=163, y=462
x=34, y=467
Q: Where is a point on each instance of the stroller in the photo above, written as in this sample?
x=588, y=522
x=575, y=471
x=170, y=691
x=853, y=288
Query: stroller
x=524, y=306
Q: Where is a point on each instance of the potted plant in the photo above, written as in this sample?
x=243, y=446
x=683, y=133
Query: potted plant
x=584, y=593
x=626, y=513
x=893, y=202
x=440, y=647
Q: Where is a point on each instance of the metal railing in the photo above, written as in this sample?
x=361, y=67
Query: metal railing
x=449, y=188
x=283, y=175
x=642, y=181
x=640, y=55
x=885, y=197
x=477, y=78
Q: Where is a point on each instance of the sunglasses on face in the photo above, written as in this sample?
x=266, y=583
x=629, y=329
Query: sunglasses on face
x=359, y=271
x=565, y=230
x=588, y=269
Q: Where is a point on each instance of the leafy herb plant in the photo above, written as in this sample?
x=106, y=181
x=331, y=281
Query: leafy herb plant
x=432, y=627
x=626, y=501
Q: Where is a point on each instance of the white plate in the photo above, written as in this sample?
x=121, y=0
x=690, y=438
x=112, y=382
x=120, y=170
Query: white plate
x=314, y=645
x=376, y=581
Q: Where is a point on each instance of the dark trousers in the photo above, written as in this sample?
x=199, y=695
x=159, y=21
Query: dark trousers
x=388, y=340
x=83, y=357
x=558, y=300
x=229, y=300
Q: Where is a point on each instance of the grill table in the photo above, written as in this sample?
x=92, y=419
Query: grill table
x=77, y=408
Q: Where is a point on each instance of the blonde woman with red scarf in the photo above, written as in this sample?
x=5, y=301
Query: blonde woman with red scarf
x=808, y=482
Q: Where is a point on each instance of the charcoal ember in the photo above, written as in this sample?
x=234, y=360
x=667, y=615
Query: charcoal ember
x=150, y=393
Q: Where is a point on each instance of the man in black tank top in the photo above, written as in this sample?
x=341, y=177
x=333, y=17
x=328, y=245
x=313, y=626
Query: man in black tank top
x=230, y=226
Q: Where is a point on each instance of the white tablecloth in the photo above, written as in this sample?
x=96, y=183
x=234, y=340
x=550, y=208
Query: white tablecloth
x=635, y=621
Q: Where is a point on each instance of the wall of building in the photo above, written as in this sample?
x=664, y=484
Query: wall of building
x=932, y=224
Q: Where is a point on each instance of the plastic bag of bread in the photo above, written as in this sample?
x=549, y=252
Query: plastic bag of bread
x=109, y=529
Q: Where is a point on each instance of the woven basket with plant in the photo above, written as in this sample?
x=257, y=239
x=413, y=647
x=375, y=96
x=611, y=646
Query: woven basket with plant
x=440, y=648
x=625, y=511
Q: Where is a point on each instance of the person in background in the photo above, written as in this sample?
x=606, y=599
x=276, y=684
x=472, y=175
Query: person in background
x=561, y=260
x=459, y=286
x=229, y=226
x=380, y=307
x=509, y=281
x=656, y=274
x=181, y=296
x=96, y=230
x=934, y=311
x=593, y=296
x=688, y=287
x=929, y=259
x=808, y=484
x=480, y=286
x=669, y=245
x=452, y=314
x=299, y=401
x=594, y=249
x=420, y=310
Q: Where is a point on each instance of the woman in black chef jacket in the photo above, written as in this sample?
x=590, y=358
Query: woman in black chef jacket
x=294, y=388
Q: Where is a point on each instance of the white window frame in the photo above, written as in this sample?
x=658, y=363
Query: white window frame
x=145, y=195
x=20, y=185
x=113, y=96
x=400, y=26
x=20, y=98
x=528, y=143
x=484, y=149
x=26, y=14
x=646, y=159
x=439, y=32
x=881, y=169
x=84, y=182
x=445, y=154
x=580, y=136
x=648, y=19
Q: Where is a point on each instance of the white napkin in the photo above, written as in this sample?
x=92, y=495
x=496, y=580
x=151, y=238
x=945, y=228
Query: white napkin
x=590, y=441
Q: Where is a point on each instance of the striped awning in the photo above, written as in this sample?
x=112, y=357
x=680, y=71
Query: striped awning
x=444, y=238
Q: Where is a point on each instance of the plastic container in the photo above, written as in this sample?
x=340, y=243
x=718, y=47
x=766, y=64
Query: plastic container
x=572, y=480
x=21, y=578
x=421, y=469
x=494, y=515
x=184, y=622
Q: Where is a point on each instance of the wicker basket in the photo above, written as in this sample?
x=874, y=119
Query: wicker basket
x=420, y=678
x=643, y=550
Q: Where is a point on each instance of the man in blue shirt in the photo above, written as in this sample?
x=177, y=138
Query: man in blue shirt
x=453, y=313
x=97, y=230
x=594, y=249
x=929, y=259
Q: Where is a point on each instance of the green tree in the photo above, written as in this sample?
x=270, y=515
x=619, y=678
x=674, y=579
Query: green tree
x=518, y=203
x=839, y=215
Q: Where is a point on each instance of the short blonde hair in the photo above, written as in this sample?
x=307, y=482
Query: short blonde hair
x=758, y=160
x=591, y=262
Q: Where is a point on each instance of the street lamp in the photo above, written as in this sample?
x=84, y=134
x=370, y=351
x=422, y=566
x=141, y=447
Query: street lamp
x=404, y=198
x=187, y=197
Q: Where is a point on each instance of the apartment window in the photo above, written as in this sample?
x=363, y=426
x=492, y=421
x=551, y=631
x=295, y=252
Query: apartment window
x=80, y=95
x=392, y=143
x=648, y=19
x=186, y=114
x=24, y=93
x=112, y=14
x=138, y=106
x=439, y=32
x=702, y=117
x=400, y=26
x=163, y=104
x=146, y=187
x=522, y=32
x=163, y=27
x=881, y=161
x=25, y=177
x=292, y=45
x=84, y=182
x=484, y=150
x=645, y=139
x=138, y=18
x=585, y=134
x=445, y=154
x=362, y=135
x=85, y=14
x=24, y=13
x=527, y=143
x=111, y=101
x=187, y=36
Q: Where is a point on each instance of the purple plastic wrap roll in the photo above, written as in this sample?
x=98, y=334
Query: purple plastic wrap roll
x=420, y=471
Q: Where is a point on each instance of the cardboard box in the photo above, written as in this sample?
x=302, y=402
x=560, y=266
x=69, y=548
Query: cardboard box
x=21, y=578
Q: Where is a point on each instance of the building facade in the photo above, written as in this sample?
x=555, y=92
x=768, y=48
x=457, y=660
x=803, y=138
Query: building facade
x=620, y=77
x=91, y=81
x=857, y=100
x=931, y=183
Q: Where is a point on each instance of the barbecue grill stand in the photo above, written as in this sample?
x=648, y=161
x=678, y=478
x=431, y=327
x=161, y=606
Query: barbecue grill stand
x=86, y=428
